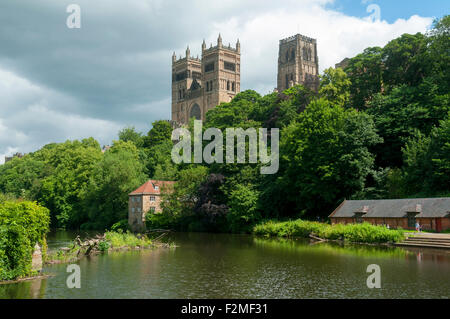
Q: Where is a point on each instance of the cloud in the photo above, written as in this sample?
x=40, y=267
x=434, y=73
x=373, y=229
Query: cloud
x=58, y=83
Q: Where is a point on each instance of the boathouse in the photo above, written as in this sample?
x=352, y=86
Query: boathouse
x=430, y=213
x=145, y=199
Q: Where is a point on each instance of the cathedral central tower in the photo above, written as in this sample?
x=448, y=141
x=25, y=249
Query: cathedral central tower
x=298, y=63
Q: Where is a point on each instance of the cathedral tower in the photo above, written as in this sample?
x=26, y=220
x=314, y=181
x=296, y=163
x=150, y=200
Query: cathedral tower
x=298, y=63
x=199, y=85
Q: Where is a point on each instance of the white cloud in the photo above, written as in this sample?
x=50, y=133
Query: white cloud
x=338, y=36
x=27, y=123
x=115, y=71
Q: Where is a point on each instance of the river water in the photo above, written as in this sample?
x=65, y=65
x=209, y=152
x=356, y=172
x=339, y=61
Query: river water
x=242, y=266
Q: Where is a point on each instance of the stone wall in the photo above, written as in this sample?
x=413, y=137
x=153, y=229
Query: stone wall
x=138, y=207
x=36, y=263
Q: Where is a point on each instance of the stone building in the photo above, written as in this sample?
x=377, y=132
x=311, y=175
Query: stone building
x=16, y=155
x=343, y=64
x=145, y=199
x=430, y=213
x=298, y=63
x=200, y=84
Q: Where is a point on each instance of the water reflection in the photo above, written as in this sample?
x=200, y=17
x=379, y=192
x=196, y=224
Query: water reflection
x=241, y=266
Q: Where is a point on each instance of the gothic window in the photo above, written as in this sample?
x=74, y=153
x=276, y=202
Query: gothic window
x=228, y=85
x=195, y=112
x=287, y=55
x=207, y=86
x=287, y=81
x=229, y=66
x=209, y=67
x=292, y=54
x=181, y=76
x=233, y=87
x=309, y=55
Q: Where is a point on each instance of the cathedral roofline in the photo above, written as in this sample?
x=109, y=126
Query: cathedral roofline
x=298, y=35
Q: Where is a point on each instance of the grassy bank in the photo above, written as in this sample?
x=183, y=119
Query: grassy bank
x=358, y=233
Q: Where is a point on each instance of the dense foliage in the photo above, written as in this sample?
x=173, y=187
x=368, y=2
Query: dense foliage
x=377, y=129
x=22, y=225
x=358, y=233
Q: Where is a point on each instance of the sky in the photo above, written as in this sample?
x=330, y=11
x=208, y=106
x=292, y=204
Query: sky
x=58, y=83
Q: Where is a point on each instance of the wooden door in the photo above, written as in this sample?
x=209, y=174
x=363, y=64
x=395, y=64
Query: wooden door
x=438, y=225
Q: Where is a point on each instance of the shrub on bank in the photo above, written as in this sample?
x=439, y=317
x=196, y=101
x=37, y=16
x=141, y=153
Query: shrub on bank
x=120, y=239
x=22, y=225
x=362, y=233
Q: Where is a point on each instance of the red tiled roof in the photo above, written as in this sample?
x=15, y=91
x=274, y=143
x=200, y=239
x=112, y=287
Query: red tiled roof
x=149, y=187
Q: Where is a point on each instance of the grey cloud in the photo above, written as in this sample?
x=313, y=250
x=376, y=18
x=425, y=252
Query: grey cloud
x=58, y=83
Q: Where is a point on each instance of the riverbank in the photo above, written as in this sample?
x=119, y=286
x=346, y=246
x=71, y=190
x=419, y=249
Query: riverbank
x=108, y=242
x=355, y=233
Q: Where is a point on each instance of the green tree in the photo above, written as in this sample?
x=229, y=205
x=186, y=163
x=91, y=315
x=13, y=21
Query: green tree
x=405, y=60
x=160, y=132
x=427, y=161
x=335, y=86
x=72, y=165
x=365, y=74
x=178, y=205
x=325, y=153
x=129, y=133
x=243, y=208
x=118, y=173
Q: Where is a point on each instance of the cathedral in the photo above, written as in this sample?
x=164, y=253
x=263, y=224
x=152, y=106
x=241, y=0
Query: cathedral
x=298, y=63
x=200, y=84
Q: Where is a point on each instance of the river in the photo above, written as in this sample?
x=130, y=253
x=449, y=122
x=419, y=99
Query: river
x=242, y=266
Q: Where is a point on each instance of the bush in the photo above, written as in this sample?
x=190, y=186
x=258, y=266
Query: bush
x=122, y=225
x=120, y=239
x=22, y=225
x=103, y=245
x=362, y=233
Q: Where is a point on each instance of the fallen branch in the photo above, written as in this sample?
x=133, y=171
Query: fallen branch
x=316, y=238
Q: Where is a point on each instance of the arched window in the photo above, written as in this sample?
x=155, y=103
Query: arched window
x=207, y=86
x=195, y=112
x=233, y=87
x=292, y=54
x=228, y=85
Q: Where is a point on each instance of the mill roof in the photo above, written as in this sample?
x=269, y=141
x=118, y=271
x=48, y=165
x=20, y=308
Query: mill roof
x=397, y=208
x=152, y=187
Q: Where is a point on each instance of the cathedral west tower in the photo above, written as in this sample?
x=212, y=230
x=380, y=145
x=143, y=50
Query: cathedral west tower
x=199, y=85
